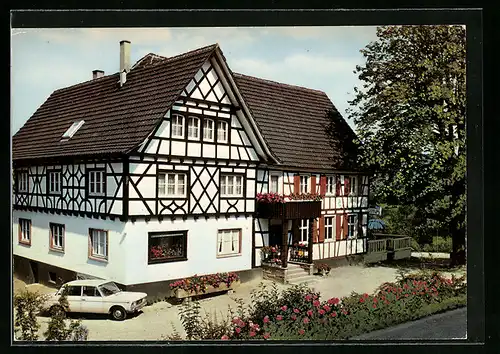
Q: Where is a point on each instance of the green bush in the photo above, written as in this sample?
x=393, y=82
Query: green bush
x=439, y=244
x=27, y=305
x=57, y=329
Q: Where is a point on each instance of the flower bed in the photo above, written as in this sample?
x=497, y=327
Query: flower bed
x=204, y=284
x=298, y=313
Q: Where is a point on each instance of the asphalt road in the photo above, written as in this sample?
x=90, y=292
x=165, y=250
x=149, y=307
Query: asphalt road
x=447, y=325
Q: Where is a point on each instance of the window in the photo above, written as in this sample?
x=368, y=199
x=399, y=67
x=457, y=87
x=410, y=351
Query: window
x=22, y=181
x=330, y=185
x=329, y=228
x=25, y=231
x=222, y=132
x=353, y=185
x=304, y=184
x=177, y=126
x=352, y=222
x=172, y=185
x=231, y=186
x=208, y=130
x=193, y=128
x=54, y=182
x=98, y=244
x=274, y=184
x=72, y=290
x=167, y=246
x=304, y=230
x=56, y=237
x=228, y=242
x=90, y=291
x=73, y=129
x=97, y=183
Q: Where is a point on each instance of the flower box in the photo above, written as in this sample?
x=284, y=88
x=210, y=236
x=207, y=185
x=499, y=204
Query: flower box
x=182, y=294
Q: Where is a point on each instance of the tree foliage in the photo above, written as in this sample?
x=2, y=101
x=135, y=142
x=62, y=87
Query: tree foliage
x=58, y=330
x=410, y=120
x=27, y=305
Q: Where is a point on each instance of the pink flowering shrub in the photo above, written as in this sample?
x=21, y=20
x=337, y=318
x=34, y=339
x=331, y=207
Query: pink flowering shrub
x=198, y=284
x=270, y=198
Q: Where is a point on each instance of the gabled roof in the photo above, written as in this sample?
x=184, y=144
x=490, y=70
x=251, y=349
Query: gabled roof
x=293, y=120
x=117, y=119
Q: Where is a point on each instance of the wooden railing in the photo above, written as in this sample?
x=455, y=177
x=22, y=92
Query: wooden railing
x=300, y=254
x=399, y=243
x=304, y=209
x=377, y=246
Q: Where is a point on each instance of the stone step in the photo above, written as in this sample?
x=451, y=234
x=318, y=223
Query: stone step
x=297, y=271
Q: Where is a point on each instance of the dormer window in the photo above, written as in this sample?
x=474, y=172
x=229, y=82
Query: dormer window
x=72, y=130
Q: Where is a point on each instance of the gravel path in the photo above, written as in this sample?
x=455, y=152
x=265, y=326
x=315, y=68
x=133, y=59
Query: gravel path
x=156, y=320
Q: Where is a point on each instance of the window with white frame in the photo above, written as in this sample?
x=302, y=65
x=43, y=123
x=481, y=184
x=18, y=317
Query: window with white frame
x=222, y=132
x=56, y=236
x=172, y=185
x=304, y=184
x=329, y=228
x=352, y=226
x=193, y=128
x=98, y=243
x=54, y=182
x=304, y=230
x=177, y=126
x=97, y=183
x=353, y=184
x=22, y=181
x=25, y=231
x=228, y=242
x=231, y=186
x=208, y=129
x=330, y=185
x=274, y=183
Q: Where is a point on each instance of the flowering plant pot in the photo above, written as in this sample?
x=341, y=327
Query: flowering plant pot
x=209, y=289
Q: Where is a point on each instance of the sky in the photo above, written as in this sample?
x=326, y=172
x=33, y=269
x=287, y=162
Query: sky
x=322, y=58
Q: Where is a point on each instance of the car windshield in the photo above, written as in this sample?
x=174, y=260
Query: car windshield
x=109, y=289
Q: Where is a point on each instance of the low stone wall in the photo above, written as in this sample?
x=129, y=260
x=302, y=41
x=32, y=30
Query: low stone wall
x=277, y=274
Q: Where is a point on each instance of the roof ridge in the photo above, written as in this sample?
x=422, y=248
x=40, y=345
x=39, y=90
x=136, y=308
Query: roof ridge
x=279, y=83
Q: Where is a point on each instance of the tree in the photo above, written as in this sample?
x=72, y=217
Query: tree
x=27, y=305
x=410, y=121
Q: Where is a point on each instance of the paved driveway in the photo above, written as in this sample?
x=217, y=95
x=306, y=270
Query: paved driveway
x=447, y=325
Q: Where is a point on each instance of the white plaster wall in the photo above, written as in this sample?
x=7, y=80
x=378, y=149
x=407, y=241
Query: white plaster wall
x=338, y=248
x=75, y=256
x=201, y=249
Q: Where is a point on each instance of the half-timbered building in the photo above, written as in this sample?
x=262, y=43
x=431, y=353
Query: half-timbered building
x=151, y=174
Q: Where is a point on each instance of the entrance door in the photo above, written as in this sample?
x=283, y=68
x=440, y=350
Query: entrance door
x=275, y=235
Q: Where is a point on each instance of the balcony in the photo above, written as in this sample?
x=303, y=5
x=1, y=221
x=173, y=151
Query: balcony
x=296, y=209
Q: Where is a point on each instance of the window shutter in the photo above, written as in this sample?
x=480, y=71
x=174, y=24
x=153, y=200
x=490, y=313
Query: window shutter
x=296, y=184
x=346, y=225
x=321, y=233
x=338, y=227
x=313, y=184
x=322, y=185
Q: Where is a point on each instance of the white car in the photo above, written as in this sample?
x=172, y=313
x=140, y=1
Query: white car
x=97, y=296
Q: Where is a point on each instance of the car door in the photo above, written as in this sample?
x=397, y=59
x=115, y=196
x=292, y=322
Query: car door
x=91, y=300
x=74, y=297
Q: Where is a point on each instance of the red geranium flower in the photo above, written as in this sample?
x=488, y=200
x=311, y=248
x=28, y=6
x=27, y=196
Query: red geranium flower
x=293, y=317
x=321, y=312
x=237, y=329
x=309, y=313
x=374, y=306
x=266, y=335
x=316, y=303
x=327, y=308
x=224, y=337
x=266, y=319
x=284, y=308
x=306, y=320
x=333, y=301
x=252, y=334
x=301, y=331
x=333, y=314
x=279, y=317
x=365, y=295
x=296, y=310
x=308, y=297
x=361, y=300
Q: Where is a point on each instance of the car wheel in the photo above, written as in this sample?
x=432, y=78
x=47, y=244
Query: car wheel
x=118, y=313
x=57, y=310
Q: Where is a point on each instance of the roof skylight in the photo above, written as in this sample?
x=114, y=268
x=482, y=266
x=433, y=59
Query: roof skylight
x=73, y=129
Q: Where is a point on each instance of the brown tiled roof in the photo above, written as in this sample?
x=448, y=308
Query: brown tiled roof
x=116, y=118
x=293, y=121
x=148, y=59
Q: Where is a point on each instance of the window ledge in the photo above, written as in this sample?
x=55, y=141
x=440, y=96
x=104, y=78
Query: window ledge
x=25, y=243
x=228, y=255
x=99, y=259
x=160, y=261
x=57, y=250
